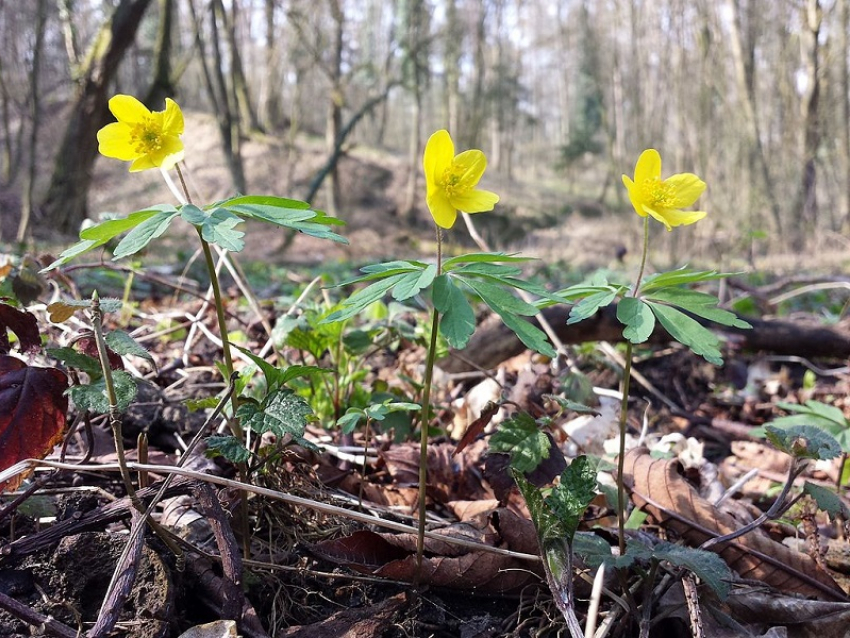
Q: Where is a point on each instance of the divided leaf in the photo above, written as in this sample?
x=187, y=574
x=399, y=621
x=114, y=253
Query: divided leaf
x=282, y=412
x=804, y=441
x=92, y=397
x=217, y=226
x=570, y=498
x=227, y=446
x=698, y=303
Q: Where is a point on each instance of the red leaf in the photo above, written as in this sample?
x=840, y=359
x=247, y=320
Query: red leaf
x=33, y=407
x=23, y=324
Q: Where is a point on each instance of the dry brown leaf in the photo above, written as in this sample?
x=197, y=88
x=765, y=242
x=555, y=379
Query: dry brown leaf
x=659, y=489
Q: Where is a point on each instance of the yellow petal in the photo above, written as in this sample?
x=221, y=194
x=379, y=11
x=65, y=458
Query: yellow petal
x=634, y=196
x=142, y=163
x=173, y=119
x=687, y=186
x=475, y=201
x=114, y=141
x=677, y=217
x=648, y=166
x=439, y=152
x=172, y=152
x=442, y=211
x=473, y=162
x=128, y=109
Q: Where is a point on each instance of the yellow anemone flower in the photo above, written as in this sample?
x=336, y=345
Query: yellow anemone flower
x=664, y=199
x=451, y=180
x=148, y=139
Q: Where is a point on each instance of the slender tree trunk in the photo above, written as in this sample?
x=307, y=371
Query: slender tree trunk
x=807, y=202
x=69, y=33
x=272, y=107
x=335, y=104
x=66, y=203
x=247, y=113
x=35, y=113
x=162, y=85
x=744, y=76
x=843, y=47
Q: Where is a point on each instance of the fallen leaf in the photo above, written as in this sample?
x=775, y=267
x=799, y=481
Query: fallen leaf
x=658, y=488
x=33, y=408
x=215, y=629
x=23, y=324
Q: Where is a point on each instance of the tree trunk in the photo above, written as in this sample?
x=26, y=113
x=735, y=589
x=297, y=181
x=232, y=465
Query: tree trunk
x=244, y=102
x=66, y=204
x=272, y=108
x=335, y=104
x=162, y=85
x=35, y=112
x=807, y=200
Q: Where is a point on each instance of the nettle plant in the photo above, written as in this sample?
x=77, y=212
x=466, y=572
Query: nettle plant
x=153, y=140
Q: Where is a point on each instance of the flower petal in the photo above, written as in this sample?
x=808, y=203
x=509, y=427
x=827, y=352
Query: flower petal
x=443, y=212
x=687, y=186
x=128, y=109
x=142, y=163
x=475, y=201
x=675, y=217
x=173, y=118
x=648, y=166
x=473, y=162
x=114, y=141
x=171, y=153
x=634, y=196
x=439, y=153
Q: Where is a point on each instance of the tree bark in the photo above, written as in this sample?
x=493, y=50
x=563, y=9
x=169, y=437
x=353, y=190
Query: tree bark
x=807, y=203
x=66, y=204
x=493, y=342
x=35, y=113
x=162, y=85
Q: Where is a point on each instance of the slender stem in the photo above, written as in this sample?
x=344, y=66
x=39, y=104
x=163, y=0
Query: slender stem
x=425, y=419
x=621, y=459
x=643, y=256
x=624, y=405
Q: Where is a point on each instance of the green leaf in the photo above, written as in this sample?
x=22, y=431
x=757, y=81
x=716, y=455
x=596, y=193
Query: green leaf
x=97, y=235
x=348, y=421
x=73, y=359
x=144, y=233
x=547, y=524
x=493, y=258
x=500, y=300
x=229, y=447
x=286, y=213
x=413, y=282
x=521, y=437
x=804, y=441
x=362, y=299
x=638, y=319
x=282, y=412
x=457, y=321
x=689, y=332
x=680, y=277
x=531, y=336
x=827, y=500
x=570, y=498
x=595, y=299
x=217, y=226
x=826, y=417
x=122, y=343
x=92, y=397
x=698, y=303
x=709, y=567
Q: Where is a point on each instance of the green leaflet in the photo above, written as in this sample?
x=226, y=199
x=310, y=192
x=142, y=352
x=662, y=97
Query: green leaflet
x=688, y=332
x=457, y=320
x=637, y=318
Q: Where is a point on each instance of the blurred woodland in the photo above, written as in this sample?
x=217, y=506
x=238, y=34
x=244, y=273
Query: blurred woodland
x=752, y=95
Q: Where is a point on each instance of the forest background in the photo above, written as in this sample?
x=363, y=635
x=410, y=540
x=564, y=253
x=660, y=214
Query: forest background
x=752, y=95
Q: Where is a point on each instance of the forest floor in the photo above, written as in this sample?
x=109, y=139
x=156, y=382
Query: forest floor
x=311, y=571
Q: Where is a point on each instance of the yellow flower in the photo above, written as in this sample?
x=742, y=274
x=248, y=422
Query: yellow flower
x=148, y=139
x=451, y=180
x=664, y=199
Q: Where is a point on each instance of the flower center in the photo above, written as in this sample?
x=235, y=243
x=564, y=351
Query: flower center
x=146, y=137
x=658, y=194
x=456, y=180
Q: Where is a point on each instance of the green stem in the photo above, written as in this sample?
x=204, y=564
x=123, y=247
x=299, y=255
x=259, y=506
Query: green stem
x=621, y=488
x=425, y=419
x=624, y=405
